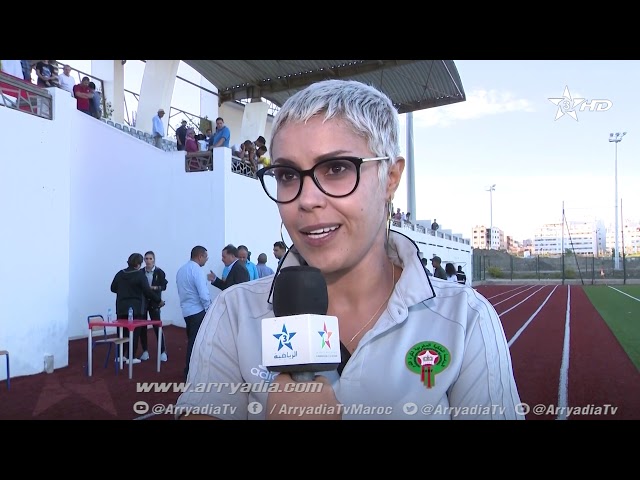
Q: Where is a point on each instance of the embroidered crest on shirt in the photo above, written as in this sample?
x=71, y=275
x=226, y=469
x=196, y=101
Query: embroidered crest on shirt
x=427, y=359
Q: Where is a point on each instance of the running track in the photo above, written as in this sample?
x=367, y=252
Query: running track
x=564, y=354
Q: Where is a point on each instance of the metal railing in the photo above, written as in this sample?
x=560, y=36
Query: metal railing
x=427, y=231
x=22, y=95
x=202, y=161
x=193, y=121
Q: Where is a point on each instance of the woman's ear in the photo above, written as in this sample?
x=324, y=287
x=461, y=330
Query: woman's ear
x=394, y=176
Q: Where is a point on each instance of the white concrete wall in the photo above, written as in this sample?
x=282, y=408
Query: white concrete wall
x=252, y=219
x=35, y=199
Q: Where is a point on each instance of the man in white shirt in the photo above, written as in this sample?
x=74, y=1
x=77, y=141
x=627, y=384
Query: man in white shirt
x=194, y=295
x=158, y=129
x=67, y=82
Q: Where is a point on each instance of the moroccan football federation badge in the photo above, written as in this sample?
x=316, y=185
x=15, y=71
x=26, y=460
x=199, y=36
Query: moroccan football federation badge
x=427, y=359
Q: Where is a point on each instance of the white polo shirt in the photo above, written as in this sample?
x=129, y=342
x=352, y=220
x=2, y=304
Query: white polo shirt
x=438, y=351
x=67, y=82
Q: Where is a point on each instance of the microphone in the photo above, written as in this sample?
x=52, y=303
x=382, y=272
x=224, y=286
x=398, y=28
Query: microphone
x=301, y=339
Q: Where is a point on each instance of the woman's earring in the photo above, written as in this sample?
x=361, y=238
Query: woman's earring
x=282, y=235
x=390, y=214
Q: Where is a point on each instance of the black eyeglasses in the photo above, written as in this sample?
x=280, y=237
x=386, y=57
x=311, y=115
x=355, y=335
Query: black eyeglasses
x=336, y=177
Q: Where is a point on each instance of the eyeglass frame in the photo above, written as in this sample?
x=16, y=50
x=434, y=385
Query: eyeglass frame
x=357, y=162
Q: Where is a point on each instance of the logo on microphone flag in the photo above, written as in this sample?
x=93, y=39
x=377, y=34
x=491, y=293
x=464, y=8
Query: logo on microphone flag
x=325, y=335
x=427, y=359
x=284, y=338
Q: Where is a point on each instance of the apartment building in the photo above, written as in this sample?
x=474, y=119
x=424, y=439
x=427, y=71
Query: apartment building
x=480, y=238
x=581, y=237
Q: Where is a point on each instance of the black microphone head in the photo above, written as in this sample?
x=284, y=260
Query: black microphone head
x=299, y=290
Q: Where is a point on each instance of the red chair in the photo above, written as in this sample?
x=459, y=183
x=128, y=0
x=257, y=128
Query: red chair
x=100, y=336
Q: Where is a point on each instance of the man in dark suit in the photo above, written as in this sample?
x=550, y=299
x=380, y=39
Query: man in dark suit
x=238, y=273
x=157, y=281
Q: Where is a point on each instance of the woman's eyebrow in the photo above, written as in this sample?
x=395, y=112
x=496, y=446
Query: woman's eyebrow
x=324, y=156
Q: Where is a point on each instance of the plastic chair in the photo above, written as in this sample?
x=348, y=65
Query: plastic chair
x=5, y=353
x=100, y=337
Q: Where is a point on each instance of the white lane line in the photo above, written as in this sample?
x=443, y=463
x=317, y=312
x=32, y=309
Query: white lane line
x=563, y=388
x=624, y=293
x=505, y=292
x=526, y=324
x=514, y=295
x=520, y=303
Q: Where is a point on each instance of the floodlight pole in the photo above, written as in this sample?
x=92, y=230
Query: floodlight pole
x=616, y=138
x=491, y=189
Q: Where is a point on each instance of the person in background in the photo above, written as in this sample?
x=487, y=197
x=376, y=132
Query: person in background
x=54, y=77
x=438, y=271
x=194, y=295
x=190, y=143
x=461, y=276
x=425, y=264
x=157, y=129
x=44, y=71
x=132, y=290
x=261, y=142
x=221, y=136
x=95, y=107
x=335, y=149
x=450, y=270
x=262, y=159
x=27, y=68
x=263, y=269
x=67, y=82
x=157, y=281
x=279, y=251
x=244, y=255
x=181, y=135
x=83, y=95
x=238, y=273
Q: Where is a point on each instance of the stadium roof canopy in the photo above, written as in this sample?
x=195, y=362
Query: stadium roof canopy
x=411, y=84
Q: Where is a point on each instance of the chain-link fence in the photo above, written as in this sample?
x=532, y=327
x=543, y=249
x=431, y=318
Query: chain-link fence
x=489, y=264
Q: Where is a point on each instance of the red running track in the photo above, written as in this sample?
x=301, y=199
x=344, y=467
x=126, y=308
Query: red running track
x=600, y=371
x=594, y=372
